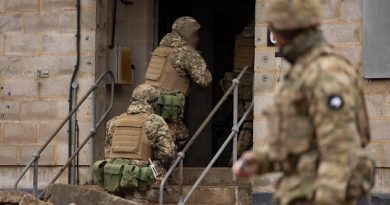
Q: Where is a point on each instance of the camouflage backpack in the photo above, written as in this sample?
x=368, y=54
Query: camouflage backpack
x=170, y=106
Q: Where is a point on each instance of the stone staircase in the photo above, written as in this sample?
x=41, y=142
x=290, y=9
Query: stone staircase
x=217, y=188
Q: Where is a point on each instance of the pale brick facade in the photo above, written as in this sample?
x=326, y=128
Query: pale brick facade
x=343, y=28
x=40, y=35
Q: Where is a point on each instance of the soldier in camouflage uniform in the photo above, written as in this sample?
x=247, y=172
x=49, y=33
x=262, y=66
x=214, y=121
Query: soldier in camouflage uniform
x=175, y=63
x=186, y=60
x=156, y=130
x=244, y=55
x=245, y=138
x=318, y=125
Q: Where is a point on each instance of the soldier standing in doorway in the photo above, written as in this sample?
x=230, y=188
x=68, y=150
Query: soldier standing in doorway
x=243, y=56
x=174, y=64
x=318, y=125
x=136, y=140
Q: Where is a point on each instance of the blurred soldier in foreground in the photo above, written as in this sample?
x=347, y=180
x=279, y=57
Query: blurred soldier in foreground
x=172, y=67
x=138, y=146
x=318, y=125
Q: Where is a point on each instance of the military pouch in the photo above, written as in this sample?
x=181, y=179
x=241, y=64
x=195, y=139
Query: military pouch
x=362, y=179
x=170, y=106
x=130, y=177
x=112, y=176
x=98, y=170
x=145, y=178
x=245, y=88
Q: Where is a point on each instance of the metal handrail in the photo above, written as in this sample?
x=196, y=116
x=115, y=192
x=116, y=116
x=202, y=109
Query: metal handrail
x=181, y=155
x=234, y=132
x=36, y=155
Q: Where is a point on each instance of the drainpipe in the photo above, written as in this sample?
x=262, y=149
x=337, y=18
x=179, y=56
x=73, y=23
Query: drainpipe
x=72, y=99
x=113, y=28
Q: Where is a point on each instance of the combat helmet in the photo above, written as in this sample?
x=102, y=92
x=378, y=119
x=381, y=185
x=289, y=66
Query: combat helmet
x=145, y=93
x=185, y=26
x=293, y=14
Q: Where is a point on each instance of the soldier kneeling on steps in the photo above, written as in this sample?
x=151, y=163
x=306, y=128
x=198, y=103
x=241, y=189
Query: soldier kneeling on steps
x=138, y=146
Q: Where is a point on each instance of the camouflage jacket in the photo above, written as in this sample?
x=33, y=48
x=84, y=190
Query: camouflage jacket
x=318, y=125
x=249, y=30
x=156, y=129
x=186, y=60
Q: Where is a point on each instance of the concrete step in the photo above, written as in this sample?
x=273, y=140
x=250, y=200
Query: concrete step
x=215, y=177
x=64, y=194
x=19, y=197
x=218, y=195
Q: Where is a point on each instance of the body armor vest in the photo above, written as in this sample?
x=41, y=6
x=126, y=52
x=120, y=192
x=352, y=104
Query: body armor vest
x=129, y=140
x=244, y=52
x=162, y=74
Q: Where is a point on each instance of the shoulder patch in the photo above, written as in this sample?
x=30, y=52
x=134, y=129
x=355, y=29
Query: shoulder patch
x=335, y=102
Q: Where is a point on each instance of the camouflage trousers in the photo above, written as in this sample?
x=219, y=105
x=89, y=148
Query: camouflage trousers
x=245, y=136
x=179, y=132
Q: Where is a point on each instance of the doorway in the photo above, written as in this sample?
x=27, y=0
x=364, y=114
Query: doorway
x=222, y=21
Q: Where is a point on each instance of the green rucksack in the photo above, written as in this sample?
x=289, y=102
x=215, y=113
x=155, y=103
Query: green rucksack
x=170, y=106
x=115, y=175
x=245, y=88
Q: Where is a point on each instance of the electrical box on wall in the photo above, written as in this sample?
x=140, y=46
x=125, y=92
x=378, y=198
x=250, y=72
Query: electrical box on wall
x=119, y=61
x=376, y=43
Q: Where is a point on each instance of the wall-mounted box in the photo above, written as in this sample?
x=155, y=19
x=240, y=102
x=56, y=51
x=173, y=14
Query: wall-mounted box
x=119, y=61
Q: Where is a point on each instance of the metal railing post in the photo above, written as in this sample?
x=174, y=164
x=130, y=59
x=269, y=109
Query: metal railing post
x=36, y=157
x=73, y=144
x=181, y=178
x=235, y=121
x=235, y=130
x=92, y=132
x=61, y=125
x=93, y=129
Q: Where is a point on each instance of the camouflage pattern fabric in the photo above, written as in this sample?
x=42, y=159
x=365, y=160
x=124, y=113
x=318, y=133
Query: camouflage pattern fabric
x=156, y=130
x=145, y=93
x=186, y=60
x=134, y=108
x=188, y=63
x=159, y=136
x=185, y=26
x=140, y=196
x=179, y=132
x=249, y=31
x=160, y=169
x=245, y=138
x=293, y=14
x=318, y=126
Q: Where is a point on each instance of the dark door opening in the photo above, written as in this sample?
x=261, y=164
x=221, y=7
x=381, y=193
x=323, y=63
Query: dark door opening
x=222, y=21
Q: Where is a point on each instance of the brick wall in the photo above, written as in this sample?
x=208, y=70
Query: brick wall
x=343, y=28
x=40, y=35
